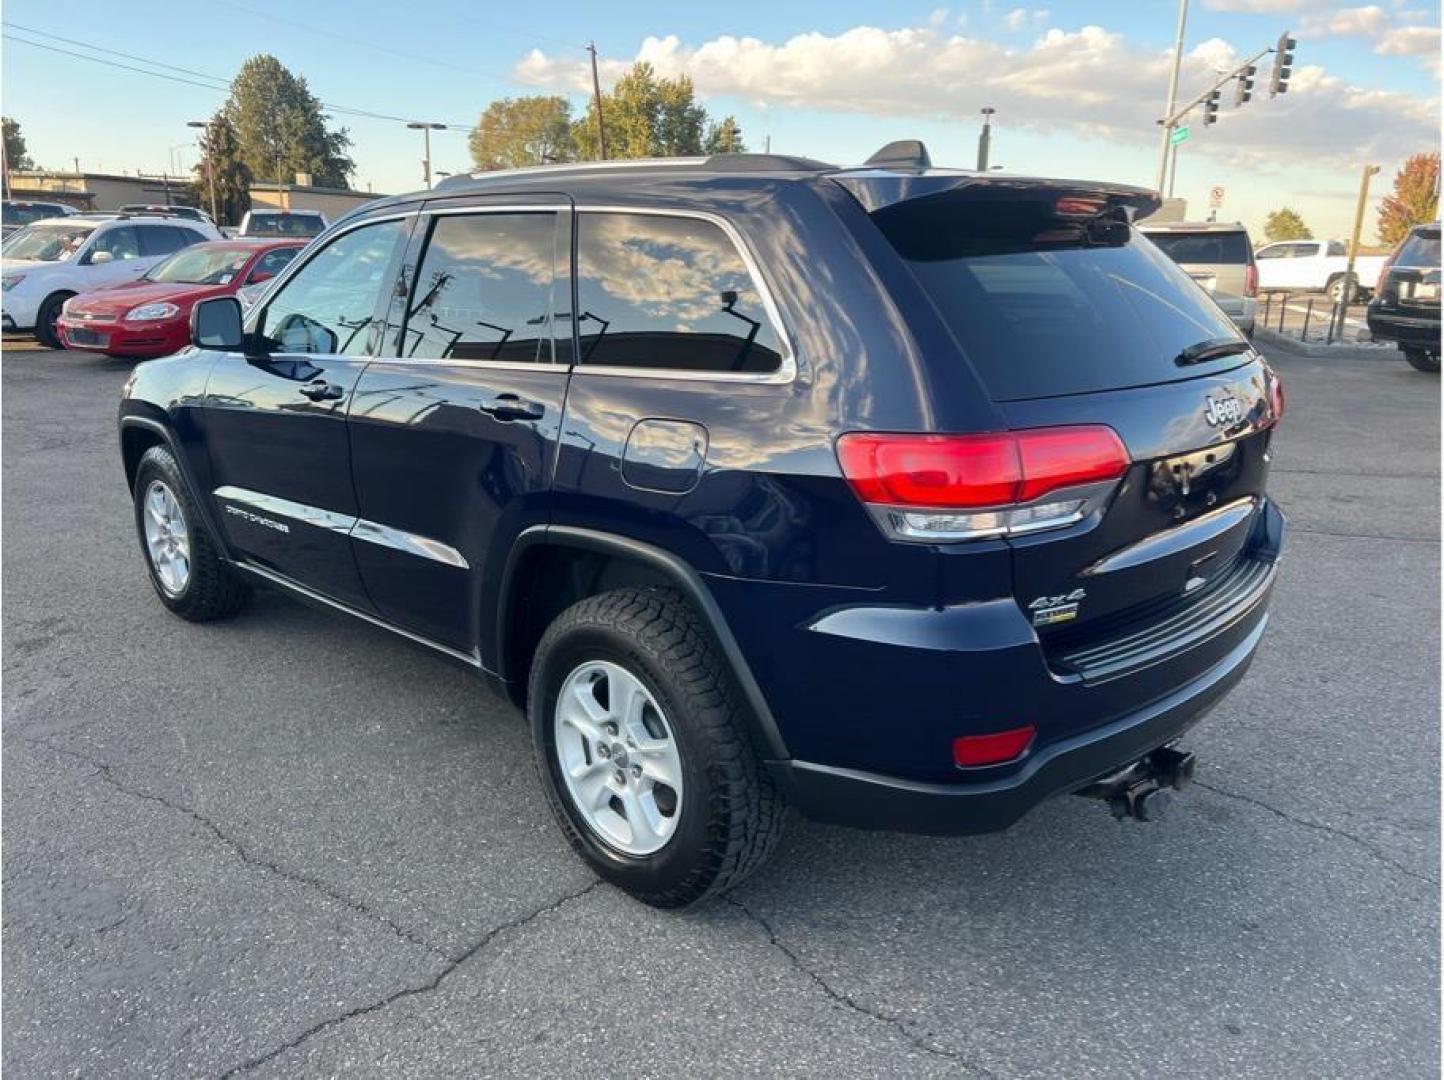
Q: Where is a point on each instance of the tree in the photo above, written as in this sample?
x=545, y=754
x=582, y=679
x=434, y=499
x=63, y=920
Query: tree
x=15, y=154
x=1414, y=200
x=281, y=129
x=221, y=151
x=515, y=132
x=645, y=116
x=1286, y=224
x=725, y=137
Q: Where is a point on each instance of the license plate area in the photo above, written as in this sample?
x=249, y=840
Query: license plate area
x=80, y=336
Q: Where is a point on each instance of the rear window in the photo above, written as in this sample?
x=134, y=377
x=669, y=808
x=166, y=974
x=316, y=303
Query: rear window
x=284, y=225
x=1211, y=249
x=1420, y=249
x=1044, y=307
x=25, y=214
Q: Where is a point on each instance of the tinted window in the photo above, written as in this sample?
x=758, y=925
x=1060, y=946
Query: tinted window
x=282, y=224
x=486, y=289
x=668, y=292
x=24, y=215
x=164, y=240
x=1044, y=306
x=1420, y=249
x=272, y=263
x=329, y=306
x=122, y=243
x=1337, y=249
x=1214, y=249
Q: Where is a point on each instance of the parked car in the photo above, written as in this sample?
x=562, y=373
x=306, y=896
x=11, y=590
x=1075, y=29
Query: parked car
x=305, y=223
x=1315, y=266
x=150, y=316
x=51, y=261
x=911, y=497
x=191, y=213
x=17, y=213
x=1405, y=307
x=1217, y=255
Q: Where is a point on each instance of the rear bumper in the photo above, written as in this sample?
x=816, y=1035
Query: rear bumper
x=1404, y=329
x=871, y=801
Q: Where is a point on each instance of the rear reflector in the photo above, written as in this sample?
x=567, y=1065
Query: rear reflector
x=993, y=749
x=954, y=487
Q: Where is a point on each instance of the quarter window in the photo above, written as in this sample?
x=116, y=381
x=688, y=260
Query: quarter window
x=665, y=292
x=487, y=289
x=329, y=306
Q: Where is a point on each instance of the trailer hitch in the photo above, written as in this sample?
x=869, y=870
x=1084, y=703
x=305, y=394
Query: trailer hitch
x=1144, y=789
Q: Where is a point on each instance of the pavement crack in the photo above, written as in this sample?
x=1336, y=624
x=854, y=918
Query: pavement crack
x=1433, y=541
x=1317, y=826
x=410, y=991
x=249, y=858
x=850, y=1003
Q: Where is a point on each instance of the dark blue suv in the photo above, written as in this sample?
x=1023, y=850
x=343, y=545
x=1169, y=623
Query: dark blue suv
x=904, y=496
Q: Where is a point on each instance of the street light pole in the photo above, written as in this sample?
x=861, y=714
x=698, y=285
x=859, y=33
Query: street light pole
x=1348, y=285
x=426, y=127
x=205, y=151
x=597, y=99
x=985, y=138
x=1168, y=121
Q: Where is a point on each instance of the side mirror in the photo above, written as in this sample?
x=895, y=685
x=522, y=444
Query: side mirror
x=98, y=257
x=216, y=324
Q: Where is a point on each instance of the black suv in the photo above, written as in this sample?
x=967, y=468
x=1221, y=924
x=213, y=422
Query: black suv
x=909, y=497
x=1405, y=307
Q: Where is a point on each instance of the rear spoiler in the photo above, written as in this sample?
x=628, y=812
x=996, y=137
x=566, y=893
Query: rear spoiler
x=879, y=189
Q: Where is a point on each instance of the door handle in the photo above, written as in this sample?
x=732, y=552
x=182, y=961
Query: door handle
x=511, y=407
x=321, y=390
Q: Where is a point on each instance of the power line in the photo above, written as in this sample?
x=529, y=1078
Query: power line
x=214, y=82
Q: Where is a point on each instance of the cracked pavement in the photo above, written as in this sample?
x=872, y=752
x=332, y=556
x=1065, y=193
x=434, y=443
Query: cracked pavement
x=291, y=845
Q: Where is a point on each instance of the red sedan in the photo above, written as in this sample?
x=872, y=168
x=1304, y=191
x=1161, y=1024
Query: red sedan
x=150, y=316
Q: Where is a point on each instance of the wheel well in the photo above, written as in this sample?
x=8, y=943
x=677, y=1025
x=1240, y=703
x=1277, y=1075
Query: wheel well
x=551, y=579
x=134, y=442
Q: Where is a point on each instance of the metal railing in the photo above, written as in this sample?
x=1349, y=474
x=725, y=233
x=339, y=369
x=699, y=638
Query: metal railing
x=1309, y=312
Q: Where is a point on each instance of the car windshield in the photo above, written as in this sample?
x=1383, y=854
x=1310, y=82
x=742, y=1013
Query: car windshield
x=24, y=215
x=47, y=242
x=201, y=265
x=284, y=225
x=1206, y=248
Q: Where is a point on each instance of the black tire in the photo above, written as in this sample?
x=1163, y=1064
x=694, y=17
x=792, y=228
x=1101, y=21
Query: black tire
x=1422, y=360
x=46, y=331
x=212, y=590
x=731, y=813
x=1344, y=287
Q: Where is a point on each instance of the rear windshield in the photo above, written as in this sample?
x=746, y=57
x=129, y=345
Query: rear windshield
x=24, y=215
x=1420, y=249
x=1211, y=249
x=1044, y=307
x=284, y=225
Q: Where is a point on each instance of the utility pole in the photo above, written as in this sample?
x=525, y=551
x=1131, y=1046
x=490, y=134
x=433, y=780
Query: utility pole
x=76, y=160
x=985, y=138
x=1348, y=288
x=426, y=127
x=204, y=150
x=1168, y=121
x=597, y=97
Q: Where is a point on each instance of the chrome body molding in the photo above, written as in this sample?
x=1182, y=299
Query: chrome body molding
x=357, y=528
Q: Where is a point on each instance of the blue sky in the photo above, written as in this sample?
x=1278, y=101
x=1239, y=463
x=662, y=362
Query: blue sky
x=1077, y=85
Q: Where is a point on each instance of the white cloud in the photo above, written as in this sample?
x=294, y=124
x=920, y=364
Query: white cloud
x=1022, y=18
x=1262, y=7
x=1369, y=21
x=1089, y=81
x=1410, y=41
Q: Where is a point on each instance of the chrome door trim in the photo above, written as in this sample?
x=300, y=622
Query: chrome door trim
x=468, y=658
x=357, y=528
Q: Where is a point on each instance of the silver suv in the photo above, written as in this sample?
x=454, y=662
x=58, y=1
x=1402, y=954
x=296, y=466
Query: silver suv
x=1217, y=255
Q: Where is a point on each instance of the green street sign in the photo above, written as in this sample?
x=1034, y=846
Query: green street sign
x=1180, y=134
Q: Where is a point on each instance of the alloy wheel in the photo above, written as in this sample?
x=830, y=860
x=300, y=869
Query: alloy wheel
x=167, y=539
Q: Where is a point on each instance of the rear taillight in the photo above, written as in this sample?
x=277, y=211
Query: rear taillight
x=963, y=487
x=1384, y=271
x=1250, y=280
x=1276, y=400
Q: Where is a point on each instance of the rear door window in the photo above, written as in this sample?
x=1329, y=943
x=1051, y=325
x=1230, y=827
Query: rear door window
x=669, y=293
x=1211, y=248
x=1045, y=307
x=121, y=243
x=164, y=239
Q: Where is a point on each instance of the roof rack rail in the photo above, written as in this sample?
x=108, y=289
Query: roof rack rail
x=764, y=163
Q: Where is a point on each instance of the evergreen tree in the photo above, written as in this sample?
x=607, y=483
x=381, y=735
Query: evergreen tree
x=221, y=151
x=281, y=129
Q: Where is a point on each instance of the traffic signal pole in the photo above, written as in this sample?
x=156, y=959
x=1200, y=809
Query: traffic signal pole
x=1170, y=118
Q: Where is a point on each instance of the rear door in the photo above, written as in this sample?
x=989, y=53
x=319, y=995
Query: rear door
x=454, y=431
x=1069, y=323
x=275, y=418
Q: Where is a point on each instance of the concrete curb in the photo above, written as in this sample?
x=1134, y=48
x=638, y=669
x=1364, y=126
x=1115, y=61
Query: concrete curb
x=1347, y=350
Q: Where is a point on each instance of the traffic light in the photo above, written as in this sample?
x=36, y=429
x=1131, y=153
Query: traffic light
x=1210, y=108
x=1243, y=88
x=1283, y=61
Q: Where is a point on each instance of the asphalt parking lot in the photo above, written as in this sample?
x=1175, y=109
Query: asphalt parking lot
x=292, y=845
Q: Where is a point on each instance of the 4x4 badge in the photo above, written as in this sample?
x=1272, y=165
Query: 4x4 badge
x=1048, y=610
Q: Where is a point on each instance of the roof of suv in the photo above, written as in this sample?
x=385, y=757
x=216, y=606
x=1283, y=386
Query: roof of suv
x=1192, y=226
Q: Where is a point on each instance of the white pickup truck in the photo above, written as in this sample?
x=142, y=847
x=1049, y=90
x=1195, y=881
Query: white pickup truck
x=1318, y=266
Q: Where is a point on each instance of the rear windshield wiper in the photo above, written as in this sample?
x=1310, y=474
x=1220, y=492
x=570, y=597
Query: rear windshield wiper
x=1212, y=349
